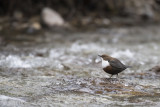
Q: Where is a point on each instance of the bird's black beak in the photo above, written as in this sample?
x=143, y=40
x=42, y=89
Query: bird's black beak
x=100, y=55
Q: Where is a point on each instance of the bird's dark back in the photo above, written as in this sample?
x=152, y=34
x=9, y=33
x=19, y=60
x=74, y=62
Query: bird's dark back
x=116, y=64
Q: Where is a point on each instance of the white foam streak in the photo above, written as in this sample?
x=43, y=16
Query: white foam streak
x=126, y=53
x=3, y=97
x=14, y=62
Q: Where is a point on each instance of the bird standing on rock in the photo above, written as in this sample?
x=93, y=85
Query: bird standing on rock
x=112, y=65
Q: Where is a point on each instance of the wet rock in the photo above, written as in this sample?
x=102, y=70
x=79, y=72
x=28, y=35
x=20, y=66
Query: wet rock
x=51, y=18
x=34, y=27
x=18, y=15
x=104, y=21
x=155, y=69
x=65, y=67
x=86, y=20
x=40, y=54
x=35, y=23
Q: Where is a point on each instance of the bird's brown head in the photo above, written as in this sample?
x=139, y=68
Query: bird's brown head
x=105, y=57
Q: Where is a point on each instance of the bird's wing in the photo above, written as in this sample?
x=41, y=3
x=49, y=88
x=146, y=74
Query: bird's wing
x=117, y=64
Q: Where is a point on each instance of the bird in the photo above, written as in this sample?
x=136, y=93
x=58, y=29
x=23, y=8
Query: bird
x=112, y=65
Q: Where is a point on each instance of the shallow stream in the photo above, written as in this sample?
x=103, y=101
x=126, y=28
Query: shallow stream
x=63, y=69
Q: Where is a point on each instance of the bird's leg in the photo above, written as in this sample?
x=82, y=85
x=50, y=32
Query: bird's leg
x=117, y=76
x=110, y=76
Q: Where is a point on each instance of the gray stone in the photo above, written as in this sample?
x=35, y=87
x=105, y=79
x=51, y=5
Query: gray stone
x=51, y=18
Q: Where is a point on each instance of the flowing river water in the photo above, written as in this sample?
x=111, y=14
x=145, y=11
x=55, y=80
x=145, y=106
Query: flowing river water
x=63, y=69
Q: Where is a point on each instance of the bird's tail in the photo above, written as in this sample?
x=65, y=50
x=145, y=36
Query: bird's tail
x=128, y=66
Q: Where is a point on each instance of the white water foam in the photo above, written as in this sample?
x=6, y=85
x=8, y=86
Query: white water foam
x=3, y=97
x=126, y=53
x=13, y=62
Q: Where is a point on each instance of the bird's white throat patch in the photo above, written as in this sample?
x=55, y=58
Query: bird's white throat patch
x=104, y=63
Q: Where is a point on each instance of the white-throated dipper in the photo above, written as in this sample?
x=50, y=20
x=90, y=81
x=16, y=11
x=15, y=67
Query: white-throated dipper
x=112, y=65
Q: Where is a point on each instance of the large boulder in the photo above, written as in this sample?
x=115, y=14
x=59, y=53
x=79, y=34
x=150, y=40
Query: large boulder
x=51, y=18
